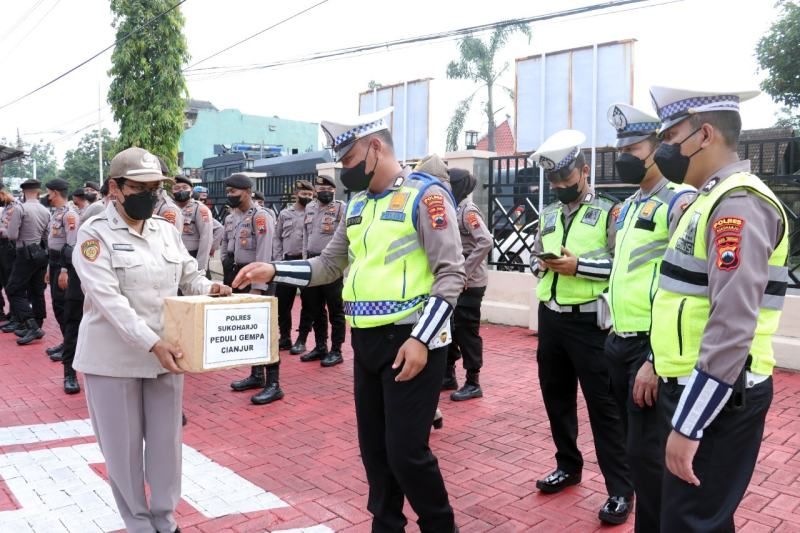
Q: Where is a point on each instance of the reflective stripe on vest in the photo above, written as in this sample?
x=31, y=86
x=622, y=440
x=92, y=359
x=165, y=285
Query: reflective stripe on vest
x=389, y=276
x=642, y=236
x=682, y=306
x=586, y=236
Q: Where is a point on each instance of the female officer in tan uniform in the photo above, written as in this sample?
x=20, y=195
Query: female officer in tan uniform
x=128, y=262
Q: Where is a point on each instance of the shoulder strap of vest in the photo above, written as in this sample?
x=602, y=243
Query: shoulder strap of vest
x=605, y=201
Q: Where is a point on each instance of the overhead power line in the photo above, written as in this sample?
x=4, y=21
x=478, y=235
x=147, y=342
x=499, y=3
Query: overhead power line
x=82, y=63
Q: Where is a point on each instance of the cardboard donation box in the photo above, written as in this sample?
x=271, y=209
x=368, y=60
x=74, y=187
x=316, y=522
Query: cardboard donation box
x=222, y=332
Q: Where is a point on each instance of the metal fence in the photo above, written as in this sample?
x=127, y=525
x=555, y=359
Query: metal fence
x=277, y=191
x=513, y=194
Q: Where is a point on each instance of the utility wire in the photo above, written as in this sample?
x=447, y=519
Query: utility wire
x=79, y=65
x=33, y=28
x=6, y=34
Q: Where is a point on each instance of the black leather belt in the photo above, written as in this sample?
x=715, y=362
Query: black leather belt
x=55, y=255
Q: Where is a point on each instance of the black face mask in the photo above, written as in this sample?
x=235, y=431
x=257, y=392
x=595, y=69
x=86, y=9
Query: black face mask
x=357, y=179
x=182, y=196
x=90, y=197
x=671, y=162
x=140, y=206
x=302, y=200
x=567, y=195
x=234, y=201
x=630, y=168
x=325, y=197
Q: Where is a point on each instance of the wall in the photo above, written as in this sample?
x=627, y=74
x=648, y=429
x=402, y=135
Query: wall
x=232, y=126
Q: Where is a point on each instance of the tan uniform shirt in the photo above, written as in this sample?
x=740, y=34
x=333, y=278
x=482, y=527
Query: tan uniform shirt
x=62, y=219
x=289, y=233
x=476, y=243
x=28, y=223
x=166, y=208
x=252, y=238
x=320, y=224
x=5, y=218
x=226, y=246
x=91, y=210
x=125, y=277
x=217, y=235
x=198, y=231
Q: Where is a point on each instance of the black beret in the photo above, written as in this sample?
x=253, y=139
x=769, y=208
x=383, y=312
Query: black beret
x=57, y=184
x=92, y=185
x=184, y=180
x=238, y=181
x=303, y=185
x=259, y=196
x=80, y=192
x=324, y=180
x=31, y=184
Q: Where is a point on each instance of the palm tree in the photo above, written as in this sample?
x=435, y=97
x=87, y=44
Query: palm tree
x=477, y=63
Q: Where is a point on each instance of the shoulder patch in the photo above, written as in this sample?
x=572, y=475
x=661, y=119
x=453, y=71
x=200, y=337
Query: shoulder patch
x=261, y=223
x=727, y=239
x=205, y=213
x=591, y=216
x=90, y=249
x=72, y=221
x=436, y=210
x=472, y=220
x=170, y=216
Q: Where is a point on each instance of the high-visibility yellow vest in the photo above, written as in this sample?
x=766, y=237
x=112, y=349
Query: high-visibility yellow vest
x=585, y=236
x=681, y=306
x=642, y=237
x=389, y=277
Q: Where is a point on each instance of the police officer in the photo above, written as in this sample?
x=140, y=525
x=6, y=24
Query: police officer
x=719, y=300
x=288, y=245
x=200, y=194
x=197, y=233
x=166, y=207
x=28, y=228
x=259, y=198
x=251, y=239
x=476, y=243
x=63, y=218
x=7, y=206
x=574, y=247
x=226, y=247
x=642, y=233
x=322, y=218
x=73, y=306
x=404, y=277
x=93, y=196
x=129, y=261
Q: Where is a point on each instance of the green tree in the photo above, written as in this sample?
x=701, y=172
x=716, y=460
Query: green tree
x=80, y=163
x=777, y=54
x=42, y=152
x=477, y=63
x=148, y=90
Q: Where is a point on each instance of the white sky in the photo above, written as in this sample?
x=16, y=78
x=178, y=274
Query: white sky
x=691, y=43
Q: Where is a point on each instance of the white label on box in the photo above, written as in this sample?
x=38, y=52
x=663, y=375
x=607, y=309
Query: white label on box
x=236, y=334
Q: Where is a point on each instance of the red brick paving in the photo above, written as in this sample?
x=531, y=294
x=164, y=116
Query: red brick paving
x=304, y=448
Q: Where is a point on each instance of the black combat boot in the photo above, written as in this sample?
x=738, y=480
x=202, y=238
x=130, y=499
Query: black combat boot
x=333, y=358
x=272, y=391
x=34, y=332
x=450, y=382
x=55, y=349
x=320, y=352
x=284, y=343
x=471, y=388
x=299, y=346
x=71, y=385
x=10, y=326
x=254, y=381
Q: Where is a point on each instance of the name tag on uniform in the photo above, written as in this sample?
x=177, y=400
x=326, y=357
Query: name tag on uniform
x=591, y=216
x=122, y=247
x=396, y=216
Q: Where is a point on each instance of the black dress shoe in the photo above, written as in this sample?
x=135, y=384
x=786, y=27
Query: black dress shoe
x=298, y=347
x=34, y=332
x=271, y=393
x=10, y=327
x=333, y=358
x=254, y=381
x=557, y=481
x=56, y=357
x=314, y=355
x=467, y=392
x=285, y=344
x=616, y=510
x=55, y=349
x=71, y=385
